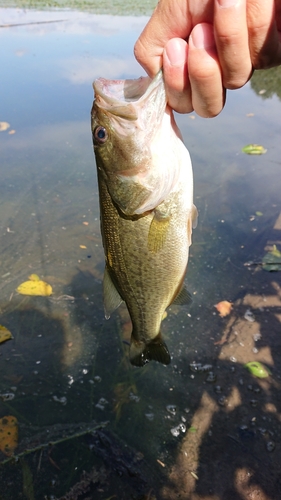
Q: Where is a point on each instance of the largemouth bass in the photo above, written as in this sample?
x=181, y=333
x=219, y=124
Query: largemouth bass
x=146, y=206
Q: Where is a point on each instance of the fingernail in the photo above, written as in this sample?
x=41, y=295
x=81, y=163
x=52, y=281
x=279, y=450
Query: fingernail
x=202, y=36
x=175, y=51
x=227, y=3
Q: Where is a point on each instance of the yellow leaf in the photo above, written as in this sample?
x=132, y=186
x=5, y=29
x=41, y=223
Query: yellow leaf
x=82, y=246
x=5, y=334
x=35, y=286
x=4, y=126
x=224, y=308
x=254, y=149
x=8, y=434
x=34, y=277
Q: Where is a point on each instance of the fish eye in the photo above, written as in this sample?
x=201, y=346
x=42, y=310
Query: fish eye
x=100, y=134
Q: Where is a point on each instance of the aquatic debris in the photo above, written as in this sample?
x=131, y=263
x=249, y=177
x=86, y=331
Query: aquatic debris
x=211, y=377
x=8, y=434
x=257, y=369
x=192, y=429
x=224, y=308
x=257, y=336
x=160, y=463
x=199, y=367
x=270, y=446
x=171, y=409
x=4, y=126
x=175, y=431
x=194, y=475
x=61, y=400
x=27, y=480
x=5, y=334
x=101, y=403
x=149, y=416
x=254, y=149
x=7, y=396
x=222, y=401
x=249, y=316
x=124, y=393
x=272, y=260
x=35, y=286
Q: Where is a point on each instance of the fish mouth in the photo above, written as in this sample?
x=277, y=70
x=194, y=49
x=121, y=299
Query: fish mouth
x=116, y=96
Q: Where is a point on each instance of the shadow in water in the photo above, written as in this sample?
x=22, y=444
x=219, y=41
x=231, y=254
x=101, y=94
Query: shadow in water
x=231, y=446
x=232, y=453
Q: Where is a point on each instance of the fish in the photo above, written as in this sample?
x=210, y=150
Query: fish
x=147, y=213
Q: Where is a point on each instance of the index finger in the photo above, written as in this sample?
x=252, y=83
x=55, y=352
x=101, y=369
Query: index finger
x=170, y=19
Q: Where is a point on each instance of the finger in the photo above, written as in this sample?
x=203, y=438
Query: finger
x=264, y=40
x=169, y=20
x=278, y=14
x=231, y=35
x=176, y=75
x=208, y=94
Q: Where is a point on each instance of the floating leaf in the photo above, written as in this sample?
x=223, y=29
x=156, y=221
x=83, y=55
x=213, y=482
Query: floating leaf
x=4, y=126
x=259, y=214
x=254, y=149
x=257, y=369
x=5, y=334
x=34, y=277
x=35, y=286
x=224, y=308
x=192, y=429
x=8, y=434
x=272, y=260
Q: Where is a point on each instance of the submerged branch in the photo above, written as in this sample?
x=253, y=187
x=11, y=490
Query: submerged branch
x=40, y=447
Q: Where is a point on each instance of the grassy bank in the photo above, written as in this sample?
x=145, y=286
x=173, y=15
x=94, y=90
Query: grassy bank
x=115, y=7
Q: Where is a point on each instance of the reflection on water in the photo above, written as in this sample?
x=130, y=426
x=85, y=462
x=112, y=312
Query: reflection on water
x=201, y=428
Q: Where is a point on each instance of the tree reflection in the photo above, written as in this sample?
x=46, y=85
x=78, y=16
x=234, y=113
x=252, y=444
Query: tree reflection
x=267, y=83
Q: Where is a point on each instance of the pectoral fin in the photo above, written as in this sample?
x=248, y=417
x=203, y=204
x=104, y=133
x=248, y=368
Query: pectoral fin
x=191, y=223
x=141, y=353
x=194, y=216
x=157, y=233
x=111, y=297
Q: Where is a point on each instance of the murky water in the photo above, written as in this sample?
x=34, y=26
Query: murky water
x=201, y=428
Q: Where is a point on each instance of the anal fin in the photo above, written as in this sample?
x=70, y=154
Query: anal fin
x=183, y=297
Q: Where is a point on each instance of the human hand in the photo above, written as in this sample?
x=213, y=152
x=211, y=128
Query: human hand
x=226, y=41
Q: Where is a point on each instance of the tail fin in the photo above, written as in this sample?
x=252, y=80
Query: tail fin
x=141, y=352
